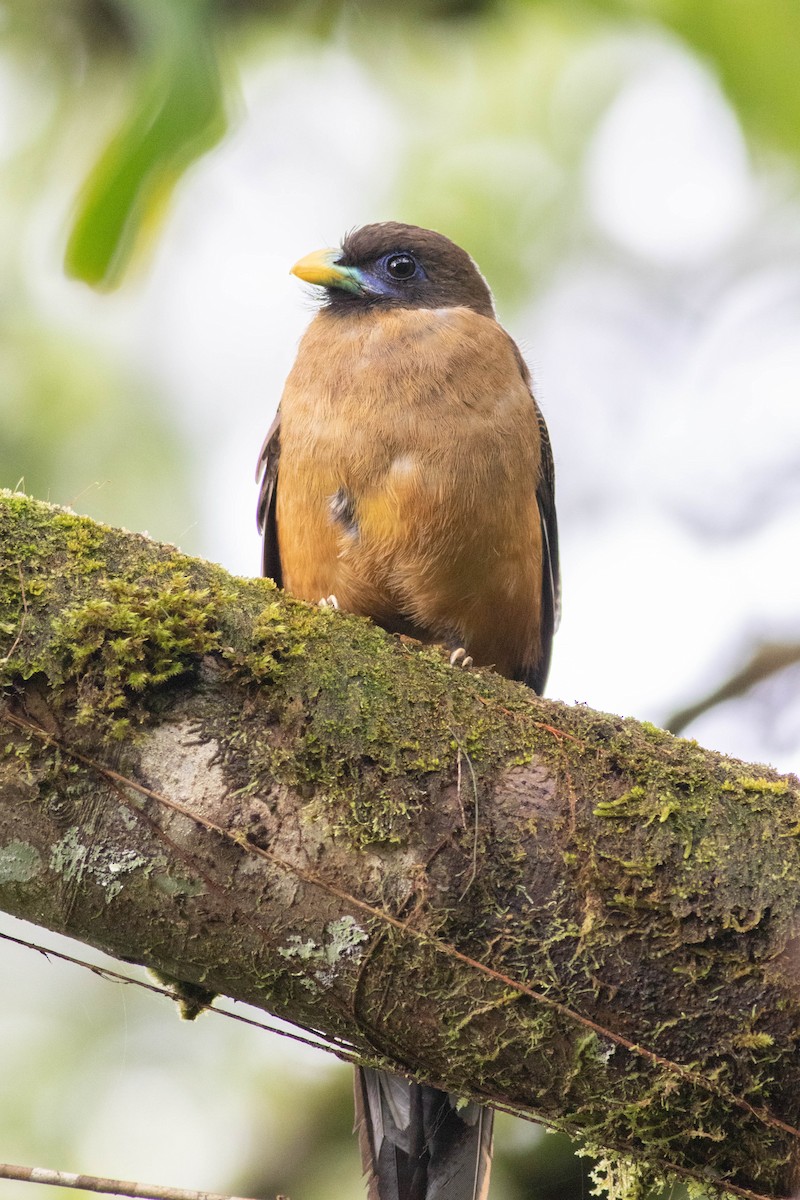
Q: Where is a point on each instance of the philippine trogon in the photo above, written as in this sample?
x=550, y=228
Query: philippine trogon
x=408, y=473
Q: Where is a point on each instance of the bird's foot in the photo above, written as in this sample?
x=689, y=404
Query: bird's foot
x=460, y=658
x=328, y=602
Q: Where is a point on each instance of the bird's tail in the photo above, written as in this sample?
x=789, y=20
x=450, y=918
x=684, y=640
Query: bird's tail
x=418, y=1143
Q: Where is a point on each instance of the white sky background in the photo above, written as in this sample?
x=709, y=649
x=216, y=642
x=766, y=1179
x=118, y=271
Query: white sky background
x=666, y=357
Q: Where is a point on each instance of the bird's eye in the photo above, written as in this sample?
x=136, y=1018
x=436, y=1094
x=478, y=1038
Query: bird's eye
x=401, y=266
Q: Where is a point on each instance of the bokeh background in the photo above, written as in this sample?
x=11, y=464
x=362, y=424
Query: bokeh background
x=626, y=174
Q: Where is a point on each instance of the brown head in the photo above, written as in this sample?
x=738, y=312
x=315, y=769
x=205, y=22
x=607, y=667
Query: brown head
x=400, y=266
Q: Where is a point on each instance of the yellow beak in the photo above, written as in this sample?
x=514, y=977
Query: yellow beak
x=322, y=269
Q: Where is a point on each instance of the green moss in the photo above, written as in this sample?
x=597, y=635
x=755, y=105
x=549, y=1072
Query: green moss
x=191, y=998
x=617, y=1178
x=751, y=1040
x=85, y=540
x=271, y=632
x=769, y=787
x=623, y=806
x=129, y=639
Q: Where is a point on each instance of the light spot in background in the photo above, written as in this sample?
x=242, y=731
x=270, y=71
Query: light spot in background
x=26, y=102
x=667, y=173
x=664, y=623
x=602, y=346
x=147, y=1115
x=727, y=446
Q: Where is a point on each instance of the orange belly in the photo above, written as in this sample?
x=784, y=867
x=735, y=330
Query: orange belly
x=407, y=481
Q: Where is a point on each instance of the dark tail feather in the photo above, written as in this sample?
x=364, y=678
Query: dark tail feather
x=418, y=1143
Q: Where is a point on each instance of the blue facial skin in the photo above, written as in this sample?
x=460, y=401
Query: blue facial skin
x=389, y=276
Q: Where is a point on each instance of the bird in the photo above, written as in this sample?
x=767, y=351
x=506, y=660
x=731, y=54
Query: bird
x=408, y=477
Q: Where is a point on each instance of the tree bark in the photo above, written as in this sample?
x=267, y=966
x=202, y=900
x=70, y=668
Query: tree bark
x=549, y=908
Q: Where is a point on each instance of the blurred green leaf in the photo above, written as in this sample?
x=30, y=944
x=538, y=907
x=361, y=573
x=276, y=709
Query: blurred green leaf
x=178, y=114
x=754, y=45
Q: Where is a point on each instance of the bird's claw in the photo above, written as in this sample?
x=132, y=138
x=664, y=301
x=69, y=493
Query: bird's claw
x=328, y=602
x=460, y=658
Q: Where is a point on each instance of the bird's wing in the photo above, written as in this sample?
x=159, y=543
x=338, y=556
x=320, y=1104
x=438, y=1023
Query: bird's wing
x=267, y=473
x=419, y=1143
x=551, y=575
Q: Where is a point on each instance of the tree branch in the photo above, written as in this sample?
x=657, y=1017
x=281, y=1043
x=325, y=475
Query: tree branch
x=111, y=1187
x=591, y=921
x=766, y=660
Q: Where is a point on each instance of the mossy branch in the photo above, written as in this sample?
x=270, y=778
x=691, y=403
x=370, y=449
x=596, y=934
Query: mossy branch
x=540, y=906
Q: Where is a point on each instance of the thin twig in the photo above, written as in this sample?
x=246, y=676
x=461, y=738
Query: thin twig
x=462, y=753
x=330, y=1047
x=114, y=1187
x=458, y=788
x=766, y=660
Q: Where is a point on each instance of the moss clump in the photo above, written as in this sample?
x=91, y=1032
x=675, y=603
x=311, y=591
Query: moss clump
x=617, y=1178
x=128, y=641
x=272, y=637
x=624, y=805
x=767, y=787
x=84, y=540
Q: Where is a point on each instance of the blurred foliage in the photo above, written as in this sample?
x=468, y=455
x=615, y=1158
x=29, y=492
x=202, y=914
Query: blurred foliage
x=176, y=107
x=754, y=49
x=177, y=114
x=530, y=1162
x=315, y=1155
x=71, y=423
